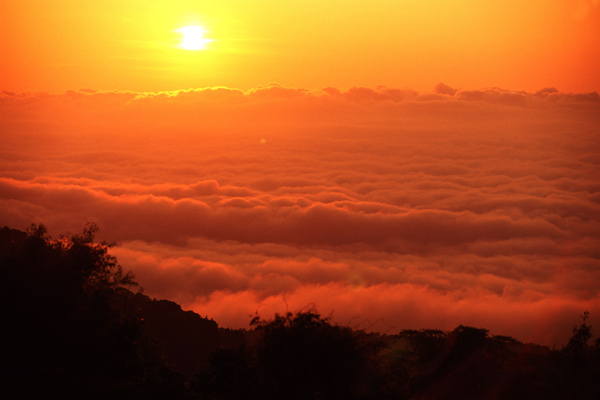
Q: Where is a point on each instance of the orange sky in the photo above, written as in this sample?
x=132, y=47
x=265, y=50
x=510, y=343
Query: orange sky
x=56, y=45
x=400, y=164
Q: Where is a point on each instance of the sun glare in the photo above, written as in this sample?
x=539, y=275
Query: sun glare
x=193, y=38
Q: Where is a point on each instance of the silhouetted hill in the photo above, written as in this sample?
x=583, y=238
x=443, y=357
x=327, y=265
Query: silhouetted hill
x=74, y=328
x=184, y=338
x=61, y=334
x=11, y=240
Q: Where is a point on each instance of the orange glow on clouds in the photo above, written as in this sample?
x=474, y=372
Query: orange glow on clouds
x=358, y=182
x=387, y=207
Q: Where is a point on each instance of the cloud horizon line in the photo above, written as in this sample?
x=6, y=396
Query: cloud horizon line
x=380, y=93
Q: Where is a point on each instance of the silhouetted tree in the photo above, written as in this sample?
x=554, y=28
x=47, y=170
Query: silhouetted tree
x=425, y=345
x=582, y=333
x=577, y=366
x=304, y=356
x=62, y=333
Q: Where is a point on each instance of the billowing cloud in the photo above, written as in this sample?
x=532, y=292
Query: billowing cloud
x=386, y=207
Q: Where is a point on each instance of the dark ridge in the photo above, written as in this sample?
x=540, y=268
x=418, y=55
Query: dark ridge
x=74, y=329
x=185, y=338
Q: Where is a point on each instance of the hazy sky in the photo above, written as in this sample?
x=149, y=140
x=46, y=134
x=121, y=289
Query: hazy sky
x=56, y=45
x=359, y=182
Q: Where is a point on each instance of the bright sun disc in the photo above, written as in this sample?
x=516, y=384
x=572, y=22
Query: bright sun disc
x=193, y=38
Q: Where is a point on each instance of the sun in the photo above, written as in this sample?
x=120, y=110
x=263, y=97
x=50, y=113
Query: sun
x=193, y=38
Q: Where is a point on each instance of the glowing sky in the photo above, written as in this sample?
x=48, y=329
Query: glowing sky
x=358, y=182
x=57, y=45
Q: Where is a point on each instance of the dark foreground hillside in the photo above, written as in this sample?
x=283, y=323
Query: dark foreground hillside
x=76, y=327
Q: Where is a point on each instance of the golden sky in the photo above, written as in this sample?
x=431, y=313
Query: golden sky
x=56, y=45
x=400, y=164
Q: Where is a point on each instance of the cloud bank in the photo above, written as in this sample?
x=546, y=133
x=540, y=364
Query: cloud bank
x=387, y=208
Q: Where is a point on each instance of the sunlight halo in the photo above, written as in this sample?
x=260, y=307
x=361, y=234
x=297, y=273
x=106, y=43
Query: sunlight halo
x=193, y=38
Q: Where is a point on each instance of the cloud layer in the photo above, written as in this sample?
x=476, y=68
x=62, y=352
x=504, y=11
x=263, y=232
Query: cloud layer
x=388, y=208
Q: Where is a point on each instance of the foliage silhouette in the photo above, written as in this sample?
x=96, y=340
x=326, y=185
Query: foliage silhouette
x=62, y=333
x=299, y=356
x=73, y=328
x=577, y=366
x=304, y=356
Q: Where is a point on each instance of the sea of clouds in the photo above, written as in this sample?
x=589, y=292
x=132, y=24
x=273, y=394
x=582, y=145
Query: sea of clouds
x=386, y=208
